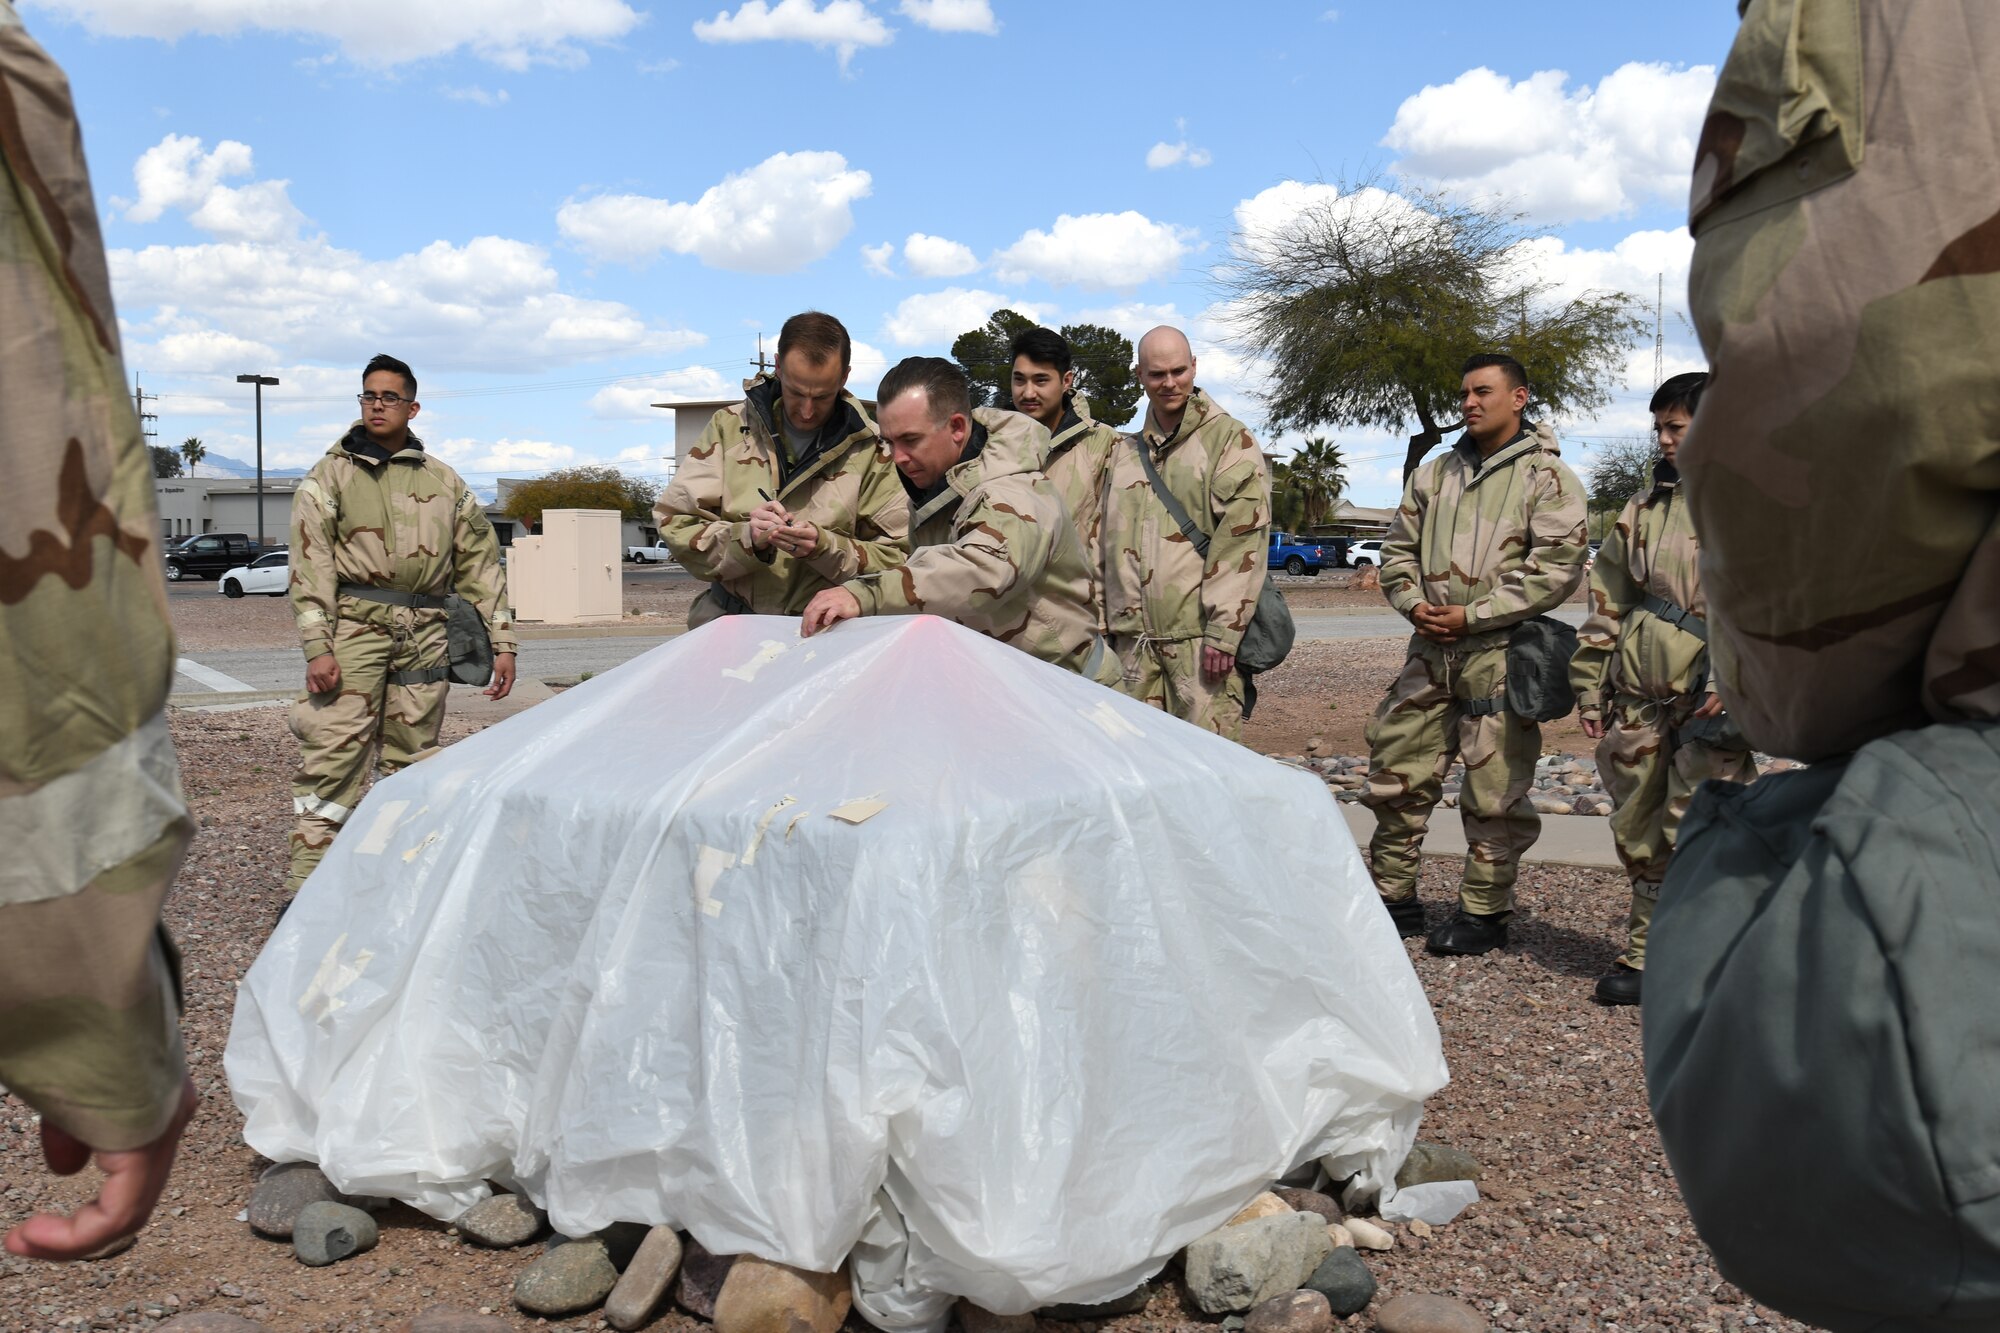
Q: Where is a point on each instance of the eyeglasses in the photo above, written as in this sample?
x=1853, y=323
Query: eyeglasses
x=386, y=399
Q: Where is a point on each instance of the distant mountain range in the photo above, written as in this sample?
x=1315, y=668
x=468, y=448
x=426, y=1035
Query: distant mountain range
x=222, y=465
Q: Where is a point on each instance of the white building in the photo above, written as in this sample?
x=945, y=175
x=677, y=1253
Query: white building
x=190, y=506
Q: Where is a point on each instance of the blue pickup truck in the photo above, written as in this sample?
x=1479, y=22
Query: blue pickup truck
x=1302, y=555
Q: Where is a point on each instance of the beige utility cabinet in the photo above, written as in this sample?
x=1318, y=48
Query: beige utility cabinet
x=570, y=573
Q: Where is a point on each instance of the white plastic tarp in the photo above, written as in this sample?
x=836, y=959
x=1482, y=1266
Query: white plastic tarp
x=894, y=930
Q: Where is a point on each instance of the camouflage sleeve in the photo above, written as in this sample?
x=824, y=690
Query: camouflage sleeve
x=993, y=563
x=314, y=584
x=1402, y=572
x=881, y=536
x=1551, y=569
x=689, y=513
x=478, y=576
x=1613, y=593
x=91, y=809
x=1239, y=495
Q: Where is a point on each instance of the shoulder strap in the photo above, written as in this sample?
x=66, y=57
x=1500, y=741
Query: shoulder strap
x=1189, y=528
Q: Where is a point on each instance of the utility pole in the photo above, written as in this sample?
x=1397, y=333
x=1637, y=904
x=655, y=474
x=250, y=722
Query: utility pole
x=762, y=364
x=260, y=381
x=1659, y=330
x=139, y=397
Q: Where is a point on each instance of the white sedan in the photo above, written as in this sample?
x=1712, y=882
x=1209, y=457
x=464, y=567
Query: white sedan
x=269, y=574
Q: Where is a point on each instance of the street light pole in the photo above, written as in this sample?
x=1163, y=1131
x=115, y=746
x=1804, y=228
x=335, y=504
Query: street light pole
x=260, y=381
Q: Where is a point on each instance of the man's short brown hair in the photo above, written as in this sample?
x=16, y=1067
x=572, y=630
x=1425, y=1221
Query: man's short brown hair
x=819, y=336
x=944, y=385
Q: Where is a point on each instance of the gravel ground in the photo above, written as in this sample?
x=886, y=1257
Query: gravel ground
x=1580, y=1227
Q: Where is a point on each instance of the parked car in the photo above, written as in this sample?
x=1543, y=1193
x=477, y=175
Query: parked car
x=210, y=554
x=269, y=574
x=1296, y=555
x=659, y=553
x=1366, y=553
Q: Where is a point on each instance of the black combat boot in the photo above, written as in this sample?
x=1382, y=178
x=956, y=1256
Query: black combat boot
x=1620, y=985
x=1407, y=913
x=1470, y=933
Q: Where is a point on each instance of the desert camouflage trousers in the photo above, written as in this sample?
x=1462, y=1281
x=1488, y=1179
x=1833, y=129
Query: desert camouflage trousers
x=1420, y=727
x=1651, y=770
x=1166, y=673
x=367, y=723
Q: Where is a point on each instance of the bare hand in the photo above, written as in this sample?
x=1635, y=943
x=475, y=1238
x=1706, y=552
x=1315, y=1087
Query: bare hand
x=1710, y=707
x=800, y=538
x=765, y=522
x=1593, y=727
x=1440, y=624
x=1216, y=664
x=322, y=675
x=827, y=609
x=503, y=676
x=131, y=1186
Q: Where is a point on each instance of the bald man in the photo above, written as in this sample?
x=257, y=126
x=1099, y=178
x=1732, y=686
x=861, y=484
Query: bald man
x=1175, y=616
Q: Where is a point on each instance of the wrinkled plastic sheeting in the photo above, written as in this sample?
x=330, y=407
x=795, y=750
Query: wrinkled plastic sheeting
x=894, y=937
x=1436, y=1202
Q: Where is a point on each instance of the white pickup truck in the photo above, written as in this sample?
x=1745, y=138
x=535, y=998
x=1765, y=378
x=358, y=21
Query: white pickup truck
x=656, y=554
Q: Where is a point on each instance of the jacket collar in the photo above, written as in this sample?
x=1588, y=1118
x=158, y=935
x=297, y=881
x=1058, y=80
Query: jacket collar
x=1199, y=408
x=358, y=446
x=762, y=396
x=926, y=503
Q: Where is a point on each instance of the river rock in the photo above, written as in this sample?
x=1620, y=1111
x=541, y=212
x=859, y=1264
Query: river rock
x=325, y=1233
x=974, y=1319
x=1266, y=1204
x=643, y=1286
x=444, y=1319
x=1368, y=1236
x=763, y=1297
x=1429, y=1163
x=567, y=1280
x=702, y=1276
x=1293, y=1312
x=1310, y=1201
x=1428, y=1314
x=283, y=1191
x=1345, y=1282
x=502, y=1221
x=1237, y=1267
x=1338, y=1233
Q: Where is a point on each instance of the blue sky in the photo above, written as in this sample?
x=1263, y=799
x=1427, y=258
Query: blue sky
x=561, y=212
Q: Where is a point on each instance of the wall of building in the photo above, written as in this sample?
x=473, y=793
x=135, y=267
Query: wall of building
x=190, y=506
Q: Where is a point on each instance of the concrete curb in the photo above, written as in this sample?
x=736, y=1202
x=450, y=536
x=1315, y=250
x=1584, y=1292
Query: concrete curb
x=1582, y=841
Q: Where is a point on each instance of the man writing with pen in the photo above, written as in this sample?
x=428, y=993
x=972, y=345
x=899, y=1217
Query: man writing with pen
x=789, y=491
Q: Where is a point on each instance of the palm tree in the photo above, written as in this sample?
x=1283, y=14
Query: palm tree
x=194, y=451
x=1319, y=476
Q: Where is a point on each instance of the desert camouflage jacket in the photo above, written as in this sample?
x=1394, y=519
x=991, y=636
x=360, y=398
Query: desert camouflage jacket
x=1623, y=648
x=1155, y=583
x=1503, y=537
x=404, y=521
x=91, y=810
x=1079, y=457
x=847, y=486
x=995, y=550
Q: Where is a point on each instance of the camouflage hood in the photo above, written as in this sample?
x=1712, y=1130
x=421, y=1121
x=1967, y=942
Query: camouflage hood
x=1002, y=444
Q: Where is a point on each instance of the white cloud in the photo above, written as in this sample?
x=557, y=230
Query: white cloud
x=378, y=33
x=1163, y=155
x=1096, y=250
x=869, y=365
x=209, y=352
x=176, y=174
x=875, y=258
x=1271, y=211
x=936, y=257
x=777, y=217
x=664, y=66
x=1637, y=266
x=933, y=319
x=952, y=15
x=844, y=25
x=477, y=96
x=1560, y=154
x=634, y=402
x=503, y=456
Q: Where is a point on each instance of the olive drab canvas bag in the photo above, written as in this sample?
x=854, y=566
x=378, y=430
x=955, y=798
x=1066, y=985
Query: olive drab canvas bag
x=1268, y=638
x=1538, y=653
x=1821, y=1038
